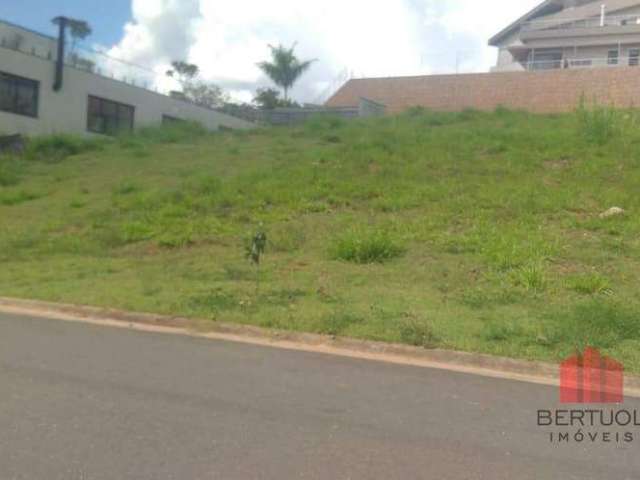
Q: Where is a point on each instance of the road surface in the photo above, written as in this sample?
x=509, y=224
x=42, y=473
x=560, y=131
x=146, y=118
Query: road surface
x=94, y=403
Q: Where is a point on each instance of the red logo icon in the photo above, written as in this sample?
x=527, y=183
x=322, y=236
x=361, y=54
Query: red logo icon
x=591, y=378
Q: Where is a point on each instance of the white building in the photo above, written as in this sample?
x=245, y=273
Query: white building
x=561, y=34
x=38, y=96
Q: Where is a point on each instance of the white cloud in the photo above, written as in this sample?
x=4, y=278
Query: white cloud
x=369, y=38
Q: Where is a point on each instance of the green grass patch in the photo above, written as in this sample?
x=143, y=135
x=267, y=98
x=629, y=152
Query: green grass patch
x=477, y=231
x=366, y=246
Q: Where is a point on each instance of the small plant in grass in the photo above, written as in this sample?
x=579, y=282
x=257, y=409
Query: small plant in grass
x=419, y=333
x=365, y=246
x=532, y=277
x=590, y=284
x=254, y=250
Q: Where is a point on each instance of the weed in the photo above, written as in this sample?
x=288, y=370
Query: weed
x=418, y=332
x=78, y=203
x=531, y=277
x=501, y=332
x=11, y=198
x=212, y=302
x=287, y=238
x=55, y=148
x=590, y=284
x=175, y=132
x=365, y=246
x=601, y=323
x=10, y=171
x=126, y=188
x=338, y=323
x=598, y=123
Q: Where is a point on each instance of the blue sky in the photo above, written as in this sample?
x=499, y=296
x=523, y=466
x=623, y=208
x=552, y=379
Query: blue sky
x=107, y=17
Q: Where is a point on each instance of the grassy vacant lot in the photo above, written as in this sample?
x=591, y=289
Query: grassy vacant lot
x=472, y=231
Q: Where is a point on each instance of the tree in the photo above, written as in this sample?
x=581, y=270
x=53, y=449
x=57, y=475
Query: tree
x=183, y=72
x=202, y=93
x=269, y=98
x=78, y=29
x=285, y=68
x=205, y=94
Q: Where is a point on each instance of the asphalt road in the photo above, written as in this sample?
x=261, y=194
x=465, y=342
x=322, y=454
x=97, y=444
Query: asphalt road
x=86, y=402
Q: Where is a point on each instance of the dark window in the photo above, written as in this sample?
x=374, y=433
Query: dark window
x=634, y=57
x=109, y=117
x=19, y=95
x=169, y=120
x=612, y=57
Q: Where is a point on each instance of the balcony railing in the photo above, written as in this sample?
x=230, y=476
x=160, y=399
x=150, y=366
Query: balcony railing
x=89, y=60
x=592, y=22
x=582, y=63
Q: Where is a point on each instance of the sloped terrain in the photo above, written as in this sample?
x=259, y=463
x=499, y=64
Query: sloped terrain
x=472, y=231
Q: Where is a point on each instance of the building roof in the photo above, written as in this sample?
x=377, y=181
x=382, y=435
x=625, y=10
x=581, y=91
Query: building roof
x=563, y=14
x=539, y=10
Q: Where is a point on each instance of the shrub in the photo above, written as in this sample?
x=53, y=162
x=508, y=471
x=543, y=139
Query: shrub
x=176, y=132
x=55, y=148
x=365, y=246
x=319, y=123
x=597, y=123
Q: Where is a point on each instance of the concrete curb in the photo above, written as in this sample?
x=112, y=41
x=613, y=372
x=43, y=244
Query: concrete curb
x=471, y=363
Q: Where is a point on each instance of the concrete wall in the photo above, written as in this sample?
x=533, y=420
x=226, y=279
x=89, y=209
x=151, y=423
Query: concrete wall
x=542, y=92
x=66, y=111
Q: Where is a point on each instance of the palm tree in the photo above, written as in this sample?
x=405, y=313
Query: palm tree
x=285, y=68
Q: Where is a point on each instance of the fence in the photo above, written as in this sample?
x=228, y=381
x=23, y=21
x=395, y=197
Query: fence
x=292, y=116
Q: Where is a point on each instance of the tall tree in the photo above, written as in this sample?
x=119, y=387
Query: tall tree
x=183, y=72
x=78, y=29
x=194, y=89
x=285, y=68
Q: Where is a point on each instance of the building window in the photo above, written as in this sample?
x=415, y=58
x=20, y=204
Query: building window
x=613, y=57
x=19, y=95
x=634, y=57
x=548, y=60
x=109, y=117
x=169, y=120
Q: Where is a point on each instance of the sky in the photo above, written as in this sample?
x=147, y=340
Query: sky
x=227, y=38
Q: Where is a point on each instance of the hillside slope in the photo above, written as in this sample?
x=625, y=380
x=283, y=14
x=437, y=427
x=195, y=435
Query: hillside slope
x=471, y=231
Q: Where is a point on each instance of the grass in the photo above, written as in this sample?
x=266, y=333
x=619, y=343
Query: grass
x=472, y=231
